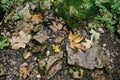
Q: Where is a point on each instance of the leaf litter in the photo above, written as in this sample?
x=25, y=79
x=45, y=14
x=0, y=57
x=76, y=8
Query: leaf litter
x=51, y=63
x=20, y=40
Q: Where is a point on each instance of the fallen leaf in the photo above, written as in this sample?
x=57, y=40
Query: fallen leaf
x=94, y=35
x=37, y=18
x=56, y=48
x=26, y=55
x=41, y=36
x=23, y=72
x=25, y=12
x=55, y=27
x=87, y=44
x=75, y=40
x=59, y=39
x=20, y=41
x=77, y=74
x=42, y=63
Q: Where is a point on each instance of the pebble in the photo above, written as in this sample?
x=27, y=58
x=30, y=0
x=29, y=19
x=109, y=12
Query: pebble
x=38, y=76
x=104, y=45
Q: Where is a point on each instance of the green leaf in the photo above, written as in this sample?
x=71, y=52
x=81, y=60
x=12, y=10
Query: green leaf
x=3, y=43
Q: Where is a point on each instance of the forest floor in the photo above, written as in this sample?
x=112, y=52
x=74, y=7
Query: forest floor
x=43, y=47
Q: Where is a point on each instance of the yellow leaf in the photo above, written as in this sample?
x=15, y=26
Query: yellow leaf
x=71, y=36
x=75, y=40
x=56, y=48
x=78, y=39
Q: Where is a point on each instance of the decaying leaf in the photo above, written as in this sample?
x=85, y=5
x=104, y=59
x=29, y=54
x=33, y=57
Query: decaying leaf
x=41, y=36
x=75, y=40
x=87, y=44
x=20, y=41
x=59, y=39
x=77, y=74
x=55, y=27
x=56, y=48
x=94, y=35
x=24, y=26
x=26, y=55
x=37, y=18
x=25, y=12
x=23, y=72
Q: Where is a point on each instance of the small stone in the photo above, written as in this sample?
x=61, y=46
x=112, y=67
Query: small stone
x=38, y=76
x=101, y=30
x=104, y=45
x=48, y=53
x=24, y=64
x=35, y=58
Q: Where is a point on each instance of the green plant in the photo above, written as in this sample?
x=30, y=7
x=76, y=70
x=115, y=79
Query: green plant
x=3, y=43
x=6, y=4
x=109, y=12
x=74, y=11
x=115, y=7
x=105, y=16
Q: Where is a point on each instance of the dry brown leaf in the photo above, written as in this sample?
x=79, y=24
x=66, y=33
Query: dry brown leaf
x=87, y=44
x=41, y=37
x=77, y=74
x=55, y=27
x=26, y=55
x=59, y=39
x=37, y=18
x=20, y=41
x=75, y=40
x=23, y=72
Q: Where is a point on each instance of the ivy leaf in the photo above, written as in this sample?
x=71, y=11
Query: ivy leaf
x=94, y=35
x=75, y=40
x=56, y=48
x=3, y=43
